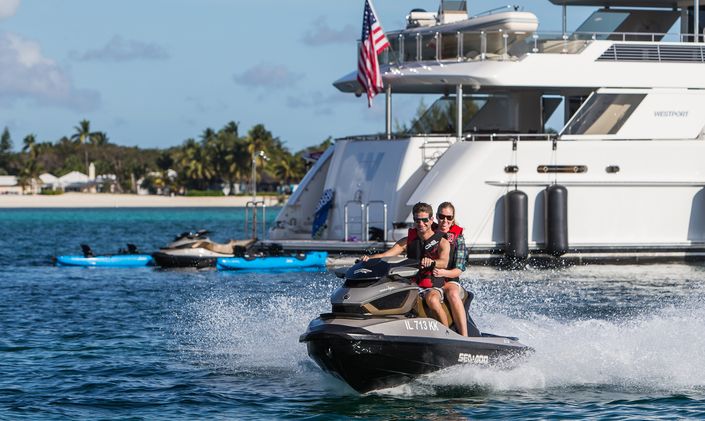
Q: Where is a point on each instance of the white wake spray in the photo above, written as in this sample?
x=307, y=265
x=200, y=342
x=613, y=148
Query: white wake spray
x=588, y=327
x=661, y=352
x=248, y=332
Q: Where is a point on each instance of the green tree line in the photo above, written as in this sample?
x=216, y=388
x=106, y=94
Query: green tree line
x=215, y=159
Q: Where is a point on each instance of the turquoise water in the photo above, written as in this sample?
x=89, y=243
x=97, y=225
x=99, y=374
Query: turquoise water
x=615, y=342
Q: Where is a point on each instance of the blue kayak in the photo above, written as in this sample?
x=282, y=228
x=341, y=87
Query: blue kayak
x=308, y=260
x=110, y=261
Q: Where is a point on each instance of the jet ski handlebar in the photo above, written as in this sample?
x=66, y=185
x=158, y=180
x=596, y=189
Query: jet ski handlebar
x=192, y=235
x=380, y=267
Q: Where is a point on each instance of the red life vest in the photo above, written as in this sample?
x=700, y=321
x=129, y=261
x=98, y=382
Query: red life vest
x=417, y=248
x=452, y=236
x=453, y=233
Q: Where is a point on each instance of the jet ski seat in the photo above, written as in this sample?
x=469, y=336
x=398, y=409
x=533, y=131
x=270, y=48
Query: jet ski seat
x=422, y=310
x=227, y=248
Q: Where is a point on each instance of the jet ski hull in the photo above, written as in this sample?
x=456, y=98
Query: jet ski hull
x=367, y=359
x=171, y=260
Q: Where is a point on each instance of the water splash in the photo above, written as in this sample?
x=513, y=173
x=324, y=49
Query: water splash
x=660, y=352
x=249, y=331
x=586, y=332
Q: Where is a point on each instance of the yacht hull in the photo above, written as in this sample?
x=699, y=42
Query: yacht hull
x=631, y=204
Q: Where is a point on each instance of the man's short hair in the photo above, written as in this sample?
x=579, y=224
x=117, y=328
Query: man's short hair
x=422, y=207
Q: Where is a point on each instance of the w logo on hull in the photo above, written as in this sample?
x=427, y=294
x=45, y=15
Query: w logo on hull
x=370, y=161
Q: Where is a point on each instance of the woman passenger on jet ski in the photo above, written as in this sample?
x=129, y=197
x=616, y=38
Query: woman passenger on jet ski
x=456, y=264
x=429, y=247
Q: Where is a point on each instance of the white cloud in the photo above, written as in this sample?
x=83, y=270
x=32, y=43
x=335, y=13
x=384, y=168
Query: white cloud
x=322, y=34
x=268, y=75
x=119, y=49
x=8, y=8
x=26, y=73
x=318, y=100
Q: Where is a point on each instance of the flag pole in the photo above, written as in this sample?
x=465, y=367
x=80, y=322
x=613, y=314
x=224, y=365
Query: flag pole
x=388, y=114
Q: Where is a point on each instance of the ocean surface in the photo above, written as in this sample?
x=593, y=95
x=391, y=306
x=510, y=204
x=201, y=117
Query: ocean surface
x=612, y=342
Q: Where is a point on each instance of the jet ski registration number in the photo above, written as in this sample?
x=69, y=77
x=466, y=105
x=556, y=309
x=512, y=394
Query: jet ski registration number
x=421, y=325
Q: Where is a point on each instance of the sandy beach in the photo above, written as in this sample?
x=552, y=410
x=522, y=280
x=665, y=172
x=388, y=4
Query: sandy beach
x=101, y=200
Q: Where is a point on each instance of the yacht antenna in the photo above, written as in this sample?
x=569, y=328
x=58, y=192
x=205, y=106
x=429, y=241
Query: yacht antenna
x=565, y=18
x=696, y=20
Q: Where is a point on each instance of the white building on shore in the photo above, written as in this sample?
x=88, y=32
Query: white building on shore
x=9, y=184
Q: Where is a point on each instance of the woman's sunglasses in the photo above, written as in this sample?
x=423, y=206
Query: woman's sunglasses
x=440, y=217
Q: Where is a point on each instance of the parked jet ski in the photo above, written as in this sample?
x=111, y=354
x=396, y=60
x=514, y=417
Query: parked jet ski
x=129, y=257
x=379, y=335
x=195, y=249
x=188, y=237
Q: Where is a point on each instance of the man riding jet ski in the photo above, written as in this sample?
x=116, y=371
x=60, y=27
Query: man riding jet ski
x=378, y=334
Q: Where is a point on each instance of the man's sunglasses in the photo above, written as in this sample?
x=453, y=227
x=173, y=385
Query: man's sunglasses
x=440, y=216
x=424, y=220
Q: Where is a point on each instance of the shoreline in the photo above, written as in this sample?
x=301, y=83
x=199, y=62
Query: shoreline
x=108, y=200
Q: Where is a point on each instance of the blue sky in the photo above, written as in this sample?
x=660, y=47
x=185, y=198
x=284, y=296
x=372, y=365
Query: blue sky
x=152, y=73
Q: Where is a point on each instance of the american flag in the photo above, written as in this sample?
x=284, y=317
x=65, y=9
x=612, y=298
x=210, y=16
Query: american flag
x=373, y=42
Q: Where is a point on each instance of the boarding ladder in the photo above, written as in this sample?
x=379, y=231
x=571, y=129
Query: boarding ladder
x=364, y=218
x=255, y=205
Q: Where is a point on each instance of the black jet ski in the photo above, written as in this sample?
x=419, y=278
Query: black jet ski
x=197, y=250
x=378, y=334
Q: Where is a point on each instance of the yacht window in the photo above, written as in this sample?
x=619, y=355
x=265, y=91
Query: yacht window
x=603, y=114
x=454, y=5
x=630, y=25
x=440, y=117
x=603, y=23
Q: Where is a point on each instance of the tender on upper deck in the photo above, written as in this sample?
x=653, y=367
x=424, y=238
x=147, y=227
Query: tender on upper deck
x=434, y=58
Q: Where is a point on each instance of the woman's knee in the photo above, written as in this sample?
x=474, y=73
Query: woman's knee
x=453, y=295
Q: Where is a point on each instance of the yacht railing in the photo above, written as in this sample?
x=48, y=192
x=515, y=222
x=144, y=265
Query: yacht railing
x=503, y=45
x=510, y=136
x=440, y=140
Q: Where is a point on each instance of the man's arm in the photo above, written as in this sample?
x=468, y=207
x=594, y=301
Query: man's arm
x=398, y=248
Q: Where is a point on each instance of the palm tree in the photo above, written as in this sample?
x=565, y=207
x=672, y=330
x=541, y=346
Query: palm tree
x=218, y=154
x=30, y=144
x=207, y=135
x=284, y=168
x=100, y=138
x=84, y=135
x=259, y=141
x=194, y=164
x=31, y=169
x=238, y=160
x=5, y=150
x=231, y=128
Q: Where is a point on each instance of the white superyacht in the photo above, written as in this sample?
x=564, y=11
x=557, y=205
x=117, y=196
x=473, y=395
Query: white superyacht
x=630, y=159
